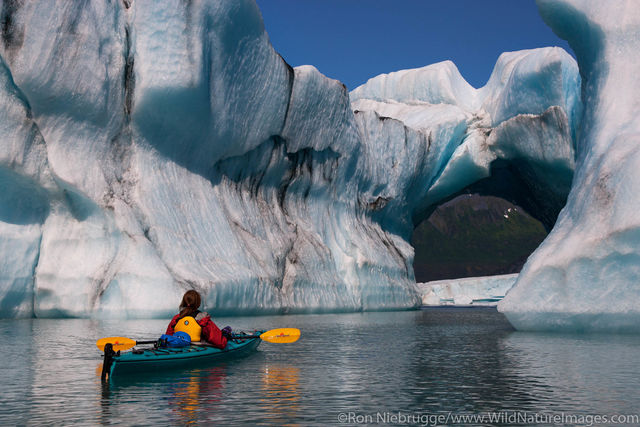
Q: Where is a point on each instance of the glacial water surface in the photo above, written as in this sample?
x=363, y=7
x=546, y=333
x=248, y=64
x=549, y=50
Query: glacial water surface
x=346, y=369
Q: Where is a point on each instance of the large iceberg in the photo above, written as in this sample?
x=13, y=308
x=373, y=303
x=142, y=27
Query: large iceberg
x=151, y=147
x=586, y=274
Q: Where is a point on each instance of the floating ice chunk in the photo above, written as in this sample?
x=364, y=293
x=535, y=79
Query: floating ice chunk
x=470, y=291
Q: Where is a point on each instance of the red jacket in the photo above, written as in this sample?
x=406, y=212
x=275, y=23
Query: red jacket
x=210, y=332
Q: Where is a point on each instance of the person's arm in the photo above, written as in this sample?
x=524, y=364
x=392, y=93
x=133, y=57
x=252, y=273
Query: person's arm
x=172, y=325
x=211, y=333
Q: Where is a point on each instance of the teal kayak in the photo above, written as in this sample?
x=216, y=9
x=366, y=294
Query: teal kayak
x=162, y=358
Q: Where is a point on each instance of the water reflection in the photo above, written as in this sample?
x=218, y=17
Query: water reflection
x=252, y=388
x=474, y=362
x=429, y=361
x=457, y=363
x=201, y=392
x=189, y=396
x=16, y=366
x=105, y=401
x=281, y=391
x=587, y=373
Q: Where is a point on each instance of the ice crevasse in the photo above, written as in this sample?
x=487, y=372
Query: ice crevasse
x=151, y=147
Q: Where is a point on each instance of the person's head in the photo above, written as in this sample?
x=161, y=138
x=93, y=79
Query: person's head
x=190, y=303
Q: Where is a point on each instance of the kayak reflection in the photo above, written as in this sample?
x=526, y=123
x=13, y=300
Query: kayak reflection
x=192, y=396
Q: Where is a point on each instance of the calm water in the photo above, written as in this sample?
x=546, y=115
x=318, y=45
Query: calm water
x=418, y=363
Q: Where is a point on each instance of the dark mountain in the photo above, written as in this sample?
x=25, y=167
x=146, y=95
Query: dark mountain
x=474, y=236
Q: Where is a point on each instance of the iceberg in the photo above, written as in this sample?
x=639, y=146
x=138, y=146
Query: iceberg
x=585, y=276
x=147, y=148
x=469, y=291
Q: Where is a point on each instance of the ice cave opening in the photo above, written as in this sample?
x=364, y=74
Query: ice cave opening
x=492, y=226
x=474, y=235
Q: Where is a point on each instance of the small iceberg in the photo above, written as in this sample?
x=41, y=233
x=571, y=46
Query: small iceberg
x=469, y=291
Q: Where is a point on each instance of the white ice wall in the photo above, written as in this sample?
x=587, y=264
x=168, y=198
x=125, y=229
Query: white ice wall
x=586, y=274
x=158, y=146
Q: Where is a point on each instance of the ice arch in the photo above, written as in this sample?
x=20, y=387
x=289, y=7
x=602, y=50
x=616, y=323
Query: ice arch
x=513, y=138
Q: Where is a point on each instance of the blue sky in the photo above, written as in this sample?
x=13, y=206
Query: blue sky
x=354, y=40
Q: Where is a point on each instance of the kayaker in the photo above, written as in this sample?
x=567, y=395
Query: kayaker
x=196, y=323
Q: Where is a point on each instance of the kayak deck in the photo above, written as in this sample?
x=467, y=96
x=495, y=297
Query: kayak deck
x=162, y=358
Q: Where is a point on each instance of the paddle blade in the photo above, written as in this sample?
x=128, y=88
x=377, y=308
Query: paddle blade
x=281, y=336
x=119, y=343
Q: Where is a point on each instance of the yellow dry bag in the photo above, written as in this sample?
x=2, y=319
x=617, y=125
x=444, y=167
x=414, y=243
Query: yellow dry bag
x=189, y=325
